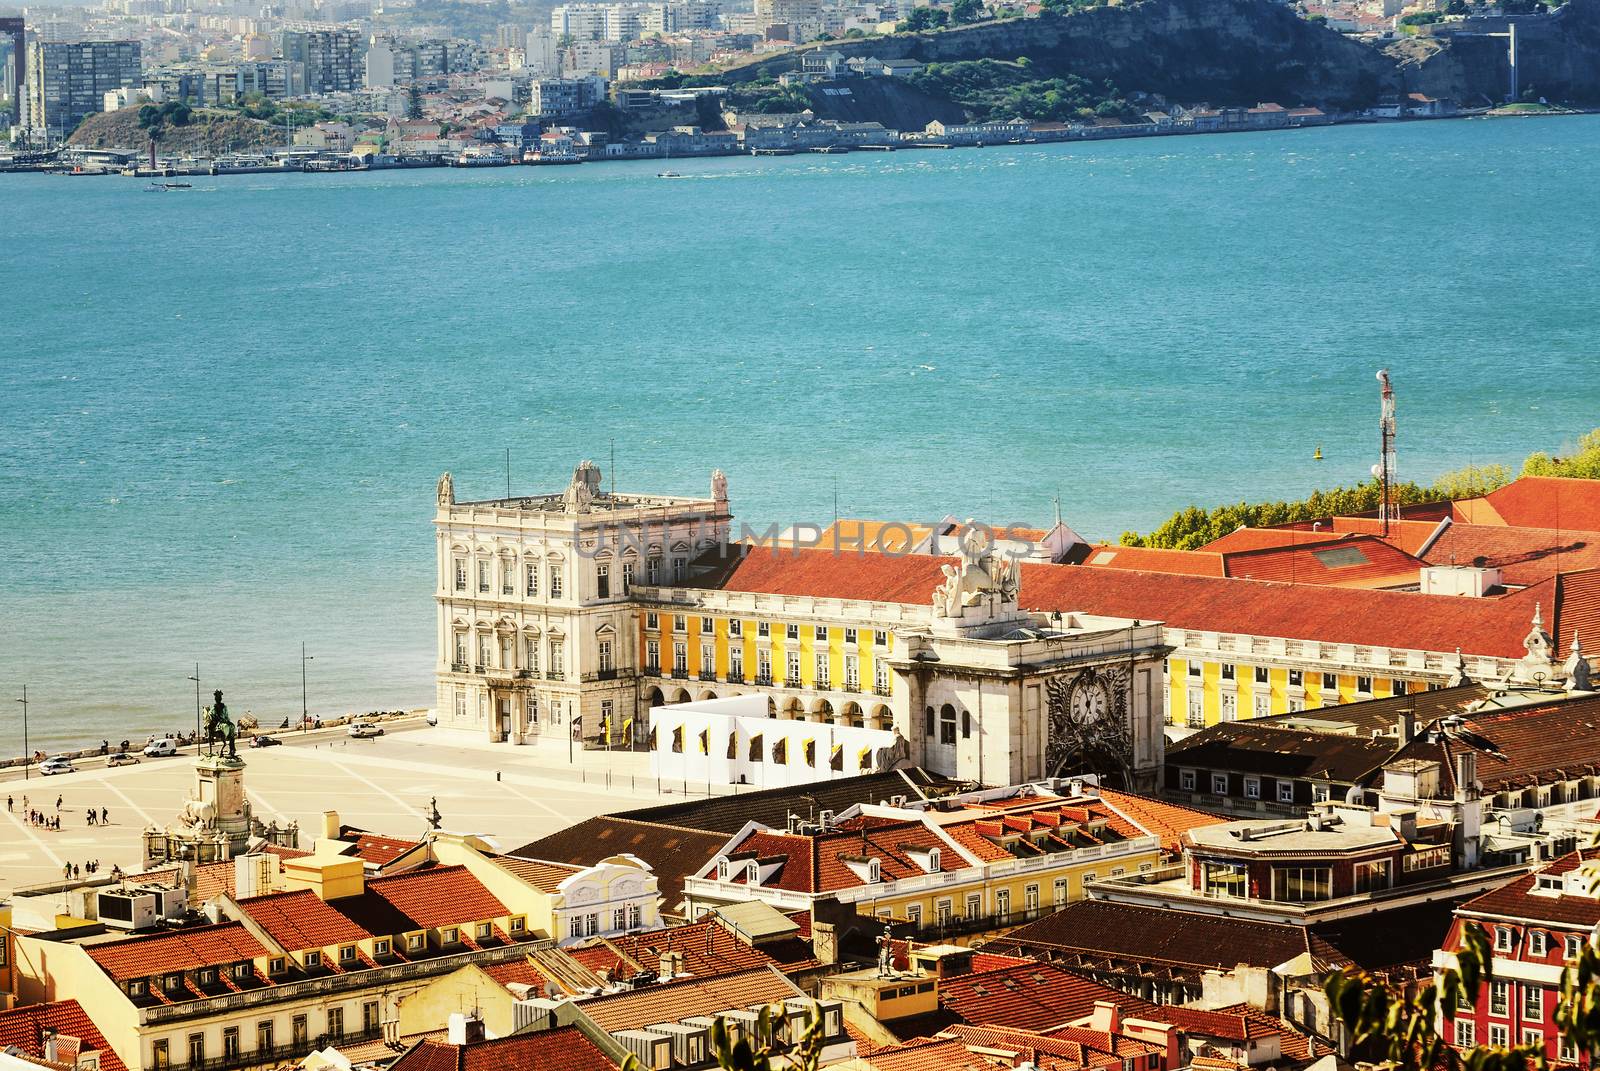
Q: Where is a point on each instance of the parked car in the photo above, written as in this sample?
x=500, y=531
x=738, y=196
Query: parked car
x=362, y=729
x=121, y=758
x=55, y=766
x=264, y=741
x=161, y=746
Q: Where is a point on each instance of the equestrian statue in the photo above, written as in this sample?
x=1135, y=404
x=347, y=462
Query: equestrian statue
x=220, y=728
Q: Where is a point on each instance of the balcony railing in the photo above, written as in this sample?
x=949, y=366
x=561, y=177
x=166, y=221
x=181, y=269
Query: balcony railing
x=458, y=667
x=764, y=679
x=653, y=669
x=880, y=689
x=792, y=682
x=479, y=667
x=525, y=674
x=822, y=684
x=852, y=686
x=680, y=673
x=708, y=674
x=277, y=1053
x=606, y=674
x=735, y=678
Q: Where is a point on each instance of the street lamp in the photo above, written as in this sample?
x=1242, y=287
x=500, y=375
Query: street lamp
x=27, y=756
x=304, y=713
x=196, y=679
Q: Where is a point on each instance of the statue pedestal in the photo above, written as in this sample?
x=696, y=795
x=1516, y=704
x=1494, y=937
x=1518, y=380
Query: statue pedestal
x=219, y=783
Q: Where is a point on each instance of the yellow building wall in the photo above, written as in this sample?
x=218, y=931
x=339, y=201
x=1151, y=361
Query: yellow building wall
x=430, y=1007
x=1210, y=685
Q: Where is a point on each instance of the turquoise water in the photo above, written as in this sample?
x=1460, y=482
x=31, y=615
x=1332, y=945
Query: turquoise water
x=224, y=409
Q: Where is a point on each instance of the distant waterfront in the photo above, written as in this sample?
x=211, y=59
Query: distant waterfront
x=225, y=407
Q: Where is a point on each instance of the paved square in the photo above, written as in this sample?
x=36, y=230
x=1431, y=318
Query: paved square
x=384, y=785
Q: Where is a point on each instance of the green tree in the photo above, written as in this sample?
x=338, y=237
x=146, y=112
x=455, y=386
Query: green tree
x=414, y=103
x=962, y=11
x=923, y=18
x=1471, y=481
x=1584, y=462
x=1399, y=1032
x=154, y=120
x=854, y=32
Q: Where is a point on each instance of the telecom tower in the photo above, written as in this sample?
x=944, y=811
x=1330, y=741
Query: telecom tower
x=1384, y=470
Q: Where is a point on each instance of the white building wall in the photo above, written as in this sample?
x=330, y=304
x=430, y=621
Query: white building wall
x=744, y=717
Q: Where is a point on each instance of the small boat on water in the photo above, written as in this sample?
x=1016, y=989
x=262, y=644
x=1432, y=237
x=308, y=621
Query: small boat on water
x=668, y=174
x=162, y=187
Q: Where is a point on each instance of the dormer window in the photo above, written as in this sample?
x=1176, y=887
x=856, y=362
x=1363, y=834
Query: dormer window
x=415, y=942
x=347, y=954
x=1504, y=939
x=752, y=873
x=873, y=871
x=136, y=988
x=485, y=929
x=1572, y=946
x=173, y=981
x=934, y=860
x=1538, y=942
x=313, y=959
x=450, y=936
x=208, y=976
x=722, y=870
x=243, y=970
x=275, y=966
x=518, y=925
x=380, y=948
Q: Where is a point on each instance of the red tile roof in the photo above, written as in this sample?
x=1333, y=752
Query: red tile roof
x=181, y=950
x=379, y=850
x=302, y=920
x=439, y=896
x=1516, y=900
x=708, y=950
x=1540, y=502
x=564, y=1048
x=1159, y=818
x=1403, y=620
x=1352, y=561
x=1538, y=743
x=1523, y=555
x=822, y=574
x=1155, y=560
x=816, y=862
x=22, y=1028
x=1036, y=996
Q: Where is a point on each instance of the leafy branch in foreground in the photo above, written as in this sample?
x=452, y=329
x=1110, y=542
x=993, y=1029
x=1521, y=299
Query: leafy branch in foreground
x=1399, y=1032
x=772, y=1046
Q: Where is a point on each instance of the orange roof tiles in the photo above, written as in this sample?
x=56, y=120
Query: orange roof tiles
x=439, y=896
x=1403, y=620
x=1523, y=555
x=302, y=920
x=1167, y=821
x=1537, y=742
x=1155, y=560
x=566, y=1048
x=1036, y=996
x=1542, y=502
x=380, y=850
x=1356, y=561
x=1515, y=899
x=23, y=1028
x=817, y=862
x=822, y=574
x=180, y=950
x=707, y=949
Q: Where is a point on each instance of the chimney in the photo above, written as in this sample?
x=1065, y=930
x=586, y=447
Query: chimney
x=1406, y=727
x=330, y=879
x=1107, y=1018
x=464, y=1029
x=330, y=825
x=51, y=1050
x=671, y=964
x=1466, y=776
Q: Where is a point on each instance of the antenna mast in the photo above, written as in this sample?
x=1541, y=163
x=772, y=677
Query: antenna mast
x=1384, y=470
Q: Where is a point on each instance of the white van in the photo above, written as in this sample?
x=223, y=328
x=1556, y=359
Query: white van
x=163, y=745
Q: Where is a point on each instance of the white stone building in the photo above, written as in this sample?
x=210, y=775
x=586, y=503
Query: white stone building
x=535, y=608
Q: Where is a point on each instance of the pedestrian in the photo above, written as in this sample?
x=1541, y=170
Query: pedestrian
x=66, y=870
x=9, y=802
x=105, y=815
x=58, y=803
x=91, y=816
x=76, y=871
